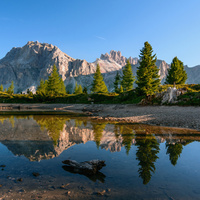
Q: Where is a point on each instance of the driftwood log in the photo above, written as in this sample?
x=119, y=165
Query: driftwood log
x=88, y=167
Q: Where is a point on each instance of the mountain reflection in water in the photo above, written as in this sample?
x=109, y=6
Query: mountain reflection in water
x=45, y=137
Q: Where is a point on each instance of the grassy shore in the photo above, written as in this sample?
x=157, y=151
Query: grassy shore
x=191, y=97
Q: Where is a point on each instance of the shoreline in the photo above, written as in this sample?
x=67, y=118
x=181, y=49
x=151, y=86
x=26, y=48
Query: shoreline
x=170, y=116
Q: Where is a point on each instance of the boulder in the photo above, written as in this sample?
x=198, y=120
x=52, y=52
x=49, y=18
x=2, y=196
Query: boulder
x=170, y=96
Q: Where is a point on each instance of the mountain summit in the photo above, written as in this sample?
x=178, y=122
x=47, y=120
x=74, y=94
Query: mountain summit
x=27, y=65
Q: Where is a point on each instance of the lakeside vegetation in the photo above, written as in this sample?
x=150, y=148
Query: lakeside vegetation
x=191, y=97
x=148, y=86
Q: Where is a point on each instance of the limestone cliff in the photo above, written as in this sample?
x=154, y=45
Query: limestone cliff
x=27, y=65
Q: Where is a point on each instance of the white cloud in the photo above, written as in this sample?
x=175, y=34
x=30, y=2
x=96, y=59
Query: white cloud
x=101, y=38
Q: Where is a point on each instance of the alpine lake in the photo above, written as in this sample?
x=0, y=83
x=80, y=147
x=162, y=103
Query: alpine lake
x=142, y=161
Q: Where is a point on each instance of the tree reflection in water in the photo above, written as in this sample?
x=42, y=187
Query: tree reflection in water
x=98, y=132
x=146, y=154
x=112, y=136
x=174, y=151
x=54, y=125
x=128, y=136
x=9, y=118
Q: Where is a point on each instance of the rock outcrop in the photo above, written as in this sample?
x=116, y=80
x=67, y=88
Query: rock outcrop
x=27, y=65
x=118, y=58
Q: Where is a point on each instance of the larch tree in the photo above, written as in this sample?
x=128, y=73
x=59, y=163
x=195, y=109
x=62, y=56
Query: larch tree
x=176, y=73
x=78, y=89
x=117, y=83
x=1, y=88
x=148, y=79
x=85, y=90
x=55, y=84
x=11, y=88
x=127, y=78
x=41, y=89
x=98, y=85
x=121, y=89
x=62, y=87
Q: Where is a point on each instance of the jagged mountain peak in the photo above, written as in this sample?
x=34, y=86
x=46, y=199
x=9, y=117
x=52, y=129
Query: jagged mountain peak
x=32, y=49
x=117, y=57
x=27, y=65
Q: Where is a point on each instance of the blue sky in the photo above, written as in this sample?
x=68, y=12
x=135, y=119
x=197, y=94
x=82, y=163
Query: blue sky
x=86, y=28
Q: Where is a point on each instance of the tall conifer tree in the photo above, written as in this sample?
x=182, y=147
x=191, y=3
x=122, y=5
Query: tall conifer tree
x=176, y=74
x=78, y=89
x=117, y=83
x=127, y=78
x=41, y=89
x=147, y=73
x=11, y=88
x=98, y=85
x=55, y=84
x=1, y=88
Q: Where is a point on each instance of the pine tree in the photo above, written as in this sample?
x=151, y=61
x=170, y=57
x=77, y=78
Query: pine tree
x=98, y=85
x=62, y=87
x=78, y=89
x=85, y=90
x=127, y=78
x=147, y=74
x=1, y=88
x=11, y=88
x=176, y=74
x=121, y=89
x=117, y=83
x=41, y=89
x=55, y=84
x=30, y=93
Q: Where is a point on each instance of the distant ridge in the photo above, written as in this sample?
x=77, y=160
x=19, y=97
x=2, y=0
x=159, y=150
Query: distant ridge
x=27, y=65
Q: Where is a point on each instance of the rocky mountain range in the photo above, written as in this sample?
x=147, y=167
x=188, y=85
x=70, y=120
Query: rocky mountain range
x=27, y=65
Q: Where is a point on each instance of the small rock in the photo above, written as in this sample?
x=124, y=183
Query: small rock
x=68, y=193
x=101, y=193
x=20, y=179
x=108, y=190
x=35, y=174
x=63, y=186
x=22, y=190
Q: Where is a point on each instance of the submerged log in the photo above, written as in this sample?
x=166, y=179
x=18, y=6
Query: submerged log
x=88, y=167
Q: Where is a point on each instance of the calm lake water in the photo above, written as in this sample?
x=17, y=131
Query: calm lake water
x=142, y=162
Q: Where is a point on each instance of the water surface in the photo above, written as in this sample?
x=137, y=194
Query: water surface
x=142, y=161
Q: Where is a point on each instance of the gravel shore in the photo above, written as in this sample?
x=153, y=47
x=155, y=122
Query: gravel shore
x=172, y=116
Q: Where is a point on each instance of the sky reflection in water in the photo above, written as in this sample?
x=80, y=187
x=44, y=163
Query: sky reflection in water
x=141, y=160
